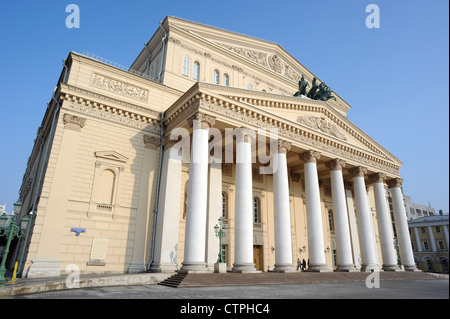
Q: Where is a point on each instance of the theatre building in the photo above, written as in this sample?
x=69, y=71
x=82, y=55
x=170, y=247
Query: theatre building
x=132, y=168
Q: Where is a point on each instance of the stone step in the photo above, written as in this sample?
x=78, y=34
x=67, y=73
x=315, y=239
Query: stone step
x=270, y=278
x=173, y=281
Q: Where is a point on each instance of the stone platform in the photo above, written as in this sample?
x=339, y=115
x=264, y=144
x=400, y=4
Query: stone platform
x=271, y=278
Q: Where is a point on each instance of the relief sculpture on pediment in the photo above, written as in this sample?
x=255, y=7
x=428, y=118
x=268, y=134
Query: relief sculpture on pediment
x=322, y=124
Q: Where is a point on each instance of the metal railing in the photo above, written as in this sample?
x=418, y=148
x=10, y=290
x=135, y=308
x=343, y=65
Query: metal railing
x=118, y=66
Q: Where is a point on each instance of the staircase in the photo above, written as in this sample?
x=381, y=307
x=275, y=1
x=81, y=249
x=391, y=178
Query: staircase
x=173, y=281
x=182, y=280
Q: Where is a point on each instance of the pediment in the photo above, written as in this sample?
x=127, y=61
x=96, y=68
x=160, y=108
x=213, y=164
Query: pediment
x=270, y=56
x=112, y=156
x=314, y=118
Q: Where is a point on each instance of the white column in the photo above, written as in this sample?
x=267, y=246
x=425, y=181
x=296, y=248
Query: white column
x=416, y=234
x=446, y=234
x=365, y=225
x=282, y=212
x=195, y=237
x=384, y=224
x=243, y=252
x=343, y=241
x=146, y=204
x=214, y=212
x=353, y=227
x=314, y=213
x=432, y=241
x=166, y=237
x=401, y=225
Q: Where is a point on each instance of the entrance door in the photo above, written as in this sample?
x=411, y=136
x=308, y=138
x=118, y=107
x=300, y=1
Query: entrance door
x=257, y=256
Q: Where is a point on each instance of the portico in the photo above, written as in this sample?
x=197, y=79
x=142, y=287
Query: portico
x=293, y=213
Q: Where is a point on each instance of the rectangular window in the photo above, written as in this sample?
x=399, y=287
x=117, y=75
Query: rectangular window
x=425, y=245
x=438, y=229
x=186, y=66
x=196, y=72
x=441, y=245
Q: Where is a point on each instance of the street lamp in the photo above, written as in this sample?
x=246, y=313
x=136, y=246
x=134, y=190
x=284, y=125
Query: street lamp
x=220, y=232
x=10, y=231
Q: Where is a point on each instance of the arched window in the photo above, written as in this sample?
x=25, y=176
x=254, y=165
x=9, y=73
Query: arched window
x=106, y=192
x=216, y=77
x=256, y=210
x=429, y=265
x=186, y=65
x=444, y=265
x=226, y=79
x=196, y=71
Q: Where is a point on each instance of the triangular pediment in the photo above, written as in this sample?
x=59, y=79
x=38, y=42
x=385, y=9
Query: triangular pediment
x=111, y=155
x=270, y=56
x=315, y=117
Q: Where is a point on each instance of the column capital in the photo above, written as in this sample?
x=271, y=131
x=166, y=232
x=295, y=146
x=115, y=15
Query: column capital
x=284, y=146
x=336, y=164
x=377, y=178
x=309, y=156
x=205, y=121
x=168, y=142
x=395, y=182
x=151, y=142
x=358, y=171
x=73, y=122
x=244, y=134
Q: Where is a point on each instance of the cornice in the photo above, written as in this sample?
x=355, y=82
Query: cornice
x=227, y=110
x=90, y=103
x=270, y=100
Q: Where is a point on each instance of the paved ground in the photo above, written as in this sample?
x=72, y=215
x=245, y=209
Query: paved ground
x=388, y=289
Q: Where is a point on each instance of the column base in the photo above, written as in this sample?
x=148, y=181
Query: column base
x=193, y=267
x=44, y=267
x=347, y=268
x=243, y=268
x=137, y=267
x=370, y=268
x=319, y=268
x=392, y=268
x=156, y=267
x=283, y=268
x=411, y=268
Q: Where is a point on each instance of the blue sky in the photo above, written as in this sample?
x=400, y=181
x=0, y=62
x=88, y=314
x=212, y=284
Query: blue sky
x=395, y=77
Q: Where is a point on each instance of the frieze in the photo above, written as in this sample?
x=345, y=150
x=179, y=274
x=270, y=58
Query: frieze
x=119, y=87
x=117, y=118
x=112, y=100
x=272, y=61
x=322, y=124
x=302, y=136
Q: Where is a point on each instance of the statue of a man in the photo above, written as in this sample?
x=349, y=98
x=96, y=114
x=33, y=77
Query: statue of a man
x=302, y=84
x=312, y=92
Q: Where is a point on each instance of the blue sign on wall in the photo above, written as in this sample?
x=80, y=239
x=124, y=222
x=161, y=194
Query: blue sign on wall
x=78, y=231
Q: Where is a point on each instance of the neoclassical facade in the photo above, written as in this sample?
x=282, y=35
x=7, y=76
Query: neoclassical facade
x=133, y=168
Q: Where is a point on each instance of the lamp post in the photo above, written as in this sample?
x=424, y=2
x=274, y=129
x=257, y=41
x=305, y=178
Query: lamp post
x=220, y=232
x=10, y=231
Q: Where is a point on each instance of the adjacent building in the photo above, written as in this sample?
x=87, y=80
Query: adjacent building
x=133, y=167
x=429, y=239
